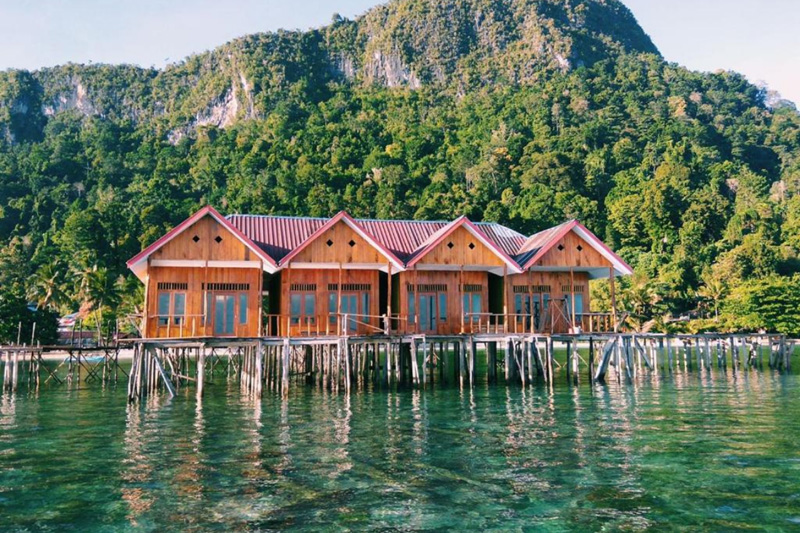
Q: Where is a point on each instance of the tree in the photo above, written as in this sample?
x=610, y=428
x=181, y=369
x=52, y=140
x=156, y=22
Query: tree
x=46, y=289
x=714, y=290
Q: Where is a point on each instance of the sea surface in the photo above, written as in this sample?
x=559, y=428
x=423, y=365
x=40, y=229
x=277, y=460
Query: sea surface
x=712, y=451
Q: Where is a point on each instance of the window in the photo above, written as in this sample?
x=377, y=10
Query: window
x=411, y=308
x=310, y=308
x=477, y=299
x=303, y=308
x=178, y=308
x=171, y=307
x=163, y=308
x=243, y=308
x=224, y=306
x=350, y=310
x=207, y=310
x=522, y=304
x=578, y=306
x=333, y=309
x=545, y=313
x=442, y=307
x=295, y=306
x=365, y=307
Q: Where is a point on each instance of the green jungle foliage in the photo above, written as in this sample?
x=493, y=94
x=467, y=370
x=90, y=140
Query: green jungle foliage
x=526, y=112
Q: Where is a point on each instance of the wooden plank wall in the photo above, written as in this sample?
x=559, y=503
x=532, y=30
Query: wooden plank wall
x=194, y=278
x=321, y=279
x=460, y=253
x=557, y=281
x=451, y=280
x=205, y=240
x=206, y=247
x=339, y=250
x=573, y=251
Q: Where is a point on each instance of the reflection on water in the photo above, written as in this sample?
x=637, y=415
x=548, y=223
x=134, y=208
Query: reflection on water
x=714, y=450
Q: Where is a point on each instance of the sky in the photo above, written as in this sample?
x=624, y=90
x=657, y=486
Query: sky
x=759, y=38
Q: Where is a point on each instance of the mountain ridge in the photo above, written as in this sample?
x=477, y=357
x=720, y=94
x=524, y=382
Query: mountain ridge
x=401, y=44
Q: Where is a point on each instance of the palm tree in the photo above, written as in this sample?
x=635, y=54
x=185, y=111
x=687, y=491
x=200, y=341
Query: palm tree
x=713, y=289
x=97, y=290
x=47, y=286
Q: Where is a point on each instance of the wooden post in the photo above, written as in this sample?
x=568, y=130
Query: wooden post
x=572, y=297
x=461, y=295
x=145, y=314
x=207, y=312
x=472, y=357
x=414, y=368
x=201, y=370
x=389, y=301
x=531, y=317
x=288, y=333
x=285, y=368
x=611, y=279
x=260, y=299
x=416, y=303
x=342, y=326
x=505, y=299
x=491, y=355
x=507, y=359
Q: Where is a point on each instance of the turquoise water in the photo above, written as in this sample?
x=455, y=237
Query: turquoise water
x=694, y=451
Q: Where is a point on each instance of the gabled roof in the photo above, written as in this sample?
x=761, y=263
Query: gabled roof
x=539, y=244
x=278, y=239
x=279, y=235
x=177, y=230
x=537, y=241
x=435, y=239
x=343, y=217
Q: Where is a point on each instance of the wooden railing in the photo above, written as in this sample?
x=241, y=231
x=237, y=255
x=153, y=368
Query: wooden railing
x=274, y=325
x=331, y=324
x=188, y=326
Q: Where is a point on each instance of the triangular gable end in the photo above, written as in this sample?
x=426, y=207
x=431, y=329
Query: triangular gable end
x=344, y=218
x=438, y=238
x=138, y=263
x=621, y=268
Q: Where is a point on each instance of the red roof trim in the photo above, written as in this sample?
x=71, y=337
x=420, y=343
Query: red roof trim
x=343, y=216
x=177, y=230
x=603, y=245
x=463, y=221
x=571, y=225
x=549, y=244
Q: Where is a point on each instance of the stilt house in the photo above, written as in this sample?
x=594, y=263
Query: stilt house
x=275, y=276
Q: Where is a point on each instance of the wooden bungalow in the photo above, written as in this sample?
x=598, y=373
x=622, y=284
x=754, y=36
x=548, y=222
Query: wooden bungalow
x=273, y=276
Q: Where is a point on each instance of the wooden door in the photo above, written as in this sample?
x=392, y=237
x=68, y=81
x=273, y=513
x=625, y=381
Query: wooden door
x=224, y=315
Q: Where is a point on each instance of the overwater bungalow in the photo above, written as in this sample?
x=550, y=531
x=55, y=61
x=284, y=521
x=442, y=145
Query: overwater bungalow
x=247, y=276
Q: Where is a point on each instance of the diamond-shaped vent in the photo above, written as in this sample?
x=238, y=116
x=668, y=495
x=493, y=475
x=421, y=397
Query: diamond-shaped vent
x=196, y=238
x=560, y=247
x=352, y=243
x=450, y=245
x=329, y=243
x=472, y=246
x=580, y=248
x=218, y=239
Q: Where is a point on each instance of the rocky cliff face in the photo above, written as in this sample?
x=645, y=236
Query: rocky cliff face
x=409, y=44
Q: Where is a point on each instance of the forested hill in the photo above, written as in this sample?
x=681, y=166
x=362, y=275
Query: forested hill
x=526, y=112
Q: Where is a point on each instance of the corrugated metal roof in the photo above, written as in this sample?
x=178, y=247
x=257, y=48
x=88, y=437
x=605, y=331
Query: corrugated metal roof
x=538, y=240
x=279, y=235
x=507, y=239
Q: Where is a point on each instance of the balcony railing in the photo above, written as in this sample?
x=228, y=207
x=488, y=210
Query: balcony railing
x=333, y=324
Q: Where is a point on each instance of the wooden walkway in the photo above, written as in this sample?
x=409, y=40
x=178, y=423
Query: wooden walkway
x=346, y=363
